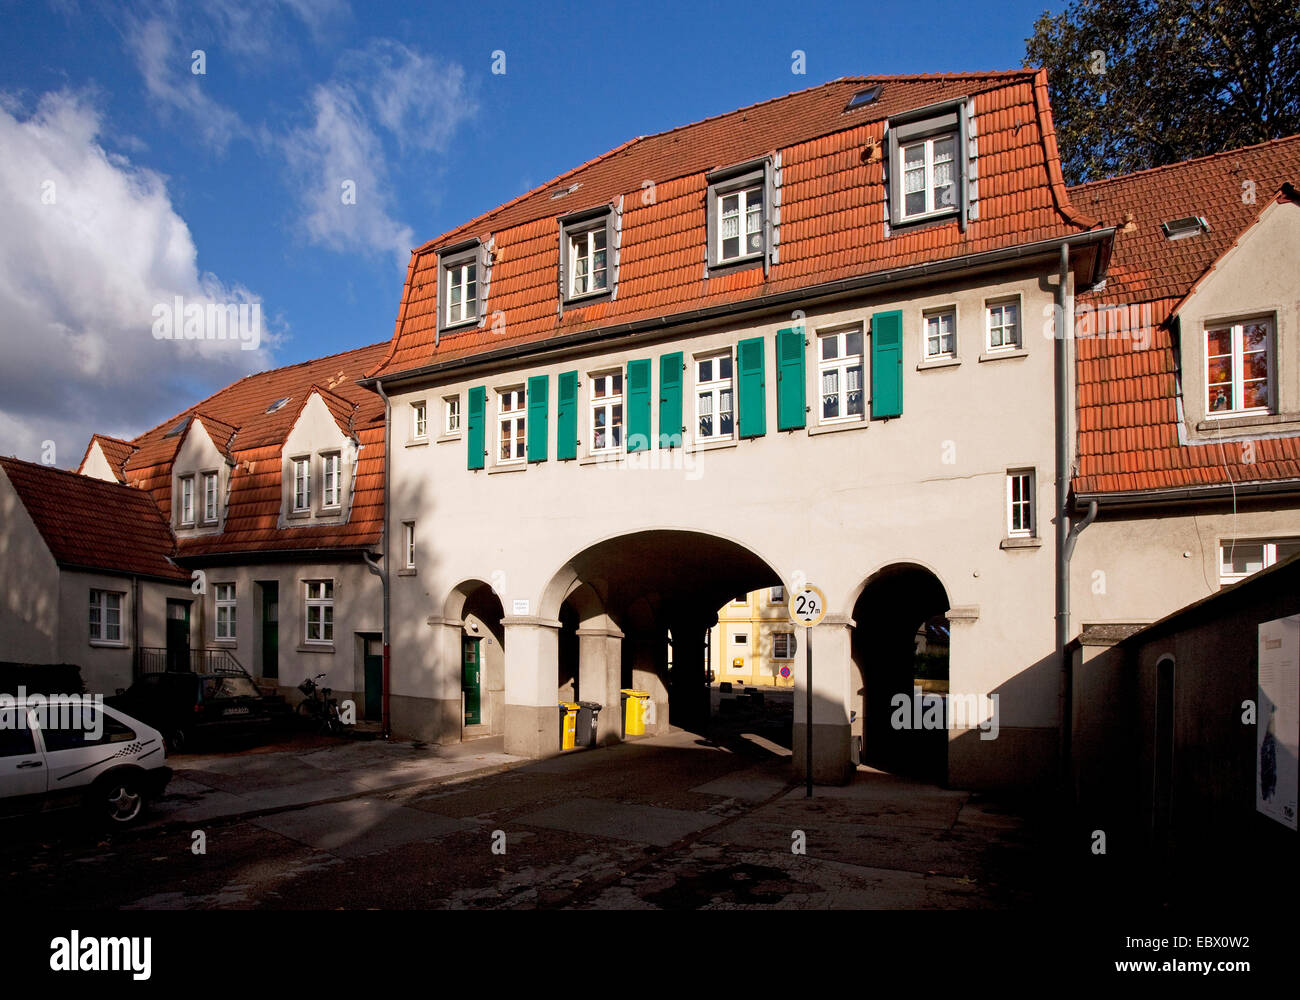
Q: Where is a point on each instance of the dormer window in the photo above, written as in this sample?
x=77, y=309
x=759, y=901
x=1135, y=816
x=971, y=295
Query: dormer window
x=738, y=220
x=1238, y=363
x=330, y=479
x=187, y=500
x=461, y=286
x=210, y=497
x=587, y=255
x=927, y=172
x=929, y=180
x=301, y=484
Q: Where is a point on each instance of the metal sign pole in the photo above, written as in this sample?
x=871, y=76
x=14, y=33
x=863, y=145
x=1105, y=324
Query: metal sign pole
x=808, y=712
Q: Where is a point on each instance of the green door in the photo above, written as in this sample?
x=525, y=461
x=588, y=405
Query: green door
x=178, y=635
x=374, y=663
x=270, y=629
x=471, y=680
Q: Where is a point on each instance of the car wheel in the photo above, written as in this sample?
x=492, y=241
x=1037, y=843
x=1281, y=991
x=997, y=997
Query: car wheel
x=175, y=741
x=119, y=800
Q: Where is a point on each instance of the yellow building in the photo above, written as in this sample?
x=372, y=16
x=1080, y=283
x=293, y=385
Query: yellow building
x=754, y=641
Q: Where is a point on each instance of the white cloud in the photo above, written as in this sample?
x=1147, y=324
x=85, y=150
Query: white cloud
x=412, y=98
x=89, y=245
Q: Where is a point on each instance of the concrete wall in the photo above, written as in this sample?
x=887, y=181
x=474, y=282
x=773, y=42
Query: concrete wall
x=833, y=504
x=29, y=601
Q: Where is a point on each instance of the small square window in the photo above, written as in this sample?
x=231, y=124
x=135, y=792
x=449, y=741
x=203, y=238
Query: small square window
x=419, y=421
x=451, y=415
x=940, y=334
x=1003, y=325
x=106, y=616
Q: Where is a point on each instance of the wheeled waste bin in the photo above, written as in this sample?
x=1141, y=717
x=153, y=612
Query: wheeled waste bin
x=588, y=715
x=568, y=724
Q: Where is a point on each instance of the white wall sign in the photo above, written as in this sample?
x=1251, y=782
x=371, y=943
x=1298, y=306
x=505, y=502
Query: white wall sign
x=520, y=608
x=1277, y=725
x=807, y=606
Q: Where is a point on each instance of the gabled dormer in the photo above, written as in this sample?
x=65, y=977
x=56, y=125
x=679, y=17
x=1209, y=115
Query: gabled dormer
x=201, y=475
x=106, y=458
x=318, y=462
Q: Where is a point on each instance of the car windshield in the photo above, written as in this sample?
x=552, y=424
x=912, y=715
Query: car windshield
x=229, y=687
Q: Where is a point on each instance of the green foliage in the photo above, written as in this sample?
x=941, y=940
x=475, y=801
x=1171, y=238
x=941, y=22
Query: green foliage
x=1142, y=83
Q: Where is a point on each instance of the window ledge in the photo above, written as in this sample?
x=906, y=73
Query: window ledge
x=926, y=365
x=461, y=325
x=1032, y=542
x=417, y=442
x=711, y=445
x=1270, y=421
x=513, y=467
x=848, y=425
x=602, y=458
x=443, y=439
x=106, y=644
x=1019, y=352
x=947, y=215
x=316, y=647
x=588, y=298
x=226, y=643
x=407, y=571
x=298, y=515
x=738, y=264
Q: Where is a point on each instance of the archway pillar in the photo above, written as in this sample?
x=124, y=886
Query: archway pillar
x=600, y=669
x=532, y=715
x=832, y=701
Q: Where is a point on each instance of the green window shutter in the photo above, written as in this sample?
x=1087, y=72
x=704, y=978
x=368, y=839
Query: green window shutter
x=477, y=420
x=887, y=364
x=753, y=390
x=566, y=417
x=791, y=404
x=638, y=405
x=670, y=400
x=538, y=404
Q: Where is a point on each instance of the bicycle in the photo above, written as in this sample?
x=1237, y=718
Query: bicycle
x=319, y=707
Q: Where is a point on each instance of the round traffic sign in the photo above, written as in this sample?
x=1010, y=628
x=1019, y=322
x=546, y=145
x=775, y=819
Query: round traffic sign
x=807, y=606
x=785, y=672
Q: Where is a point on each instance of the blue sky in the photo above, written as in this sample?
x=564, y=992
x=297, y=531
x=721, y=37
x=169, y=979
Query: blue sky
x=127, y=179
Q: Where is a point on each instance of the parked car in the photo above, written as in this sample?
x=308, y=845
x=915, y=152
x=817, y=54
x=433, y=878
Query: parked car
x=60, y=752
x=186, y=706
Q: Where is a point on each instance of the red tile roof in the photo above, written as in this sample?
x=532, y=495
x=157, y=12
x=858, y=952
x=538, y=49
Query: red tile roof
x=1128, y=398
x=831, y=211
x=115, y=451
x=254, y=446
x=93, y=524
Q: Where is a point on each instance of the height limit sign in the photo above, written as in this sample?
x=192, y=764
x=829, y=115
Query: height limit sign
x=808, y=608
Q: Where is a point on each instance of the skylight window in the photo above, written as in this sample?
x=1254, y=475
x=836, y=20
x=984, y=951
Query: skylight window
x=277, y=404
x=175, y=431
x=863, y=97
x=565, y=191
x=1178, y=229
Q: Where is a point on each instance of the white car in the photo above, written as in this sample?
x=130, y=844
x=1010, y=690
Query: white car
x=65, y=751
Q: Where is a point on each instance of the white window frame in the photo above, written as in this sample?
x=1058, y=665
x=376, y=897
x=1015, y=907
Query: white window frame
x=318, y=596
x=1236, y=335
x=938, y=314
x=612, y=400
x=713, y=389
x=211, y=503
x=740, y=639
x=512, y=425
x=1268, y=556
x=743, y=194
x=840, y=365
x=451, y=415
x=101, y=628
x=408, y=538
x=187, y=500
x=419, y=421
x=788, y=641
x=989, y=326
x=933, y=207
x=1023, y=504
x=580, y=242
x=301, y=468
x=457, y=274
x=225, y=601
x=331, y=480
x=773, y=597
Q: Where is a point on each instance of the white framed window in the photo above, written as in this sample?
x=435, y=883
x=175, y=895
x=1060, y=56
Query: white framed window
x=840, y=372
x=783, y=645
x=1240, y=558
x=187, y=500
x=1003, y=322
x=740, y=223
x=451, y=415
x=225, y=599
x=106, y=616
x=928, y=171
x=714, y=398
x=419, y=421
x=606, y=411
x=740, y=639
x=588, y=260
x=461, y=287
x=1020, y=503
x=940, y=334
x=408, y=534
x=301, y=484
x=320, y=610
x=330, y=479
x=510, y=426
x=776, y=595
x=210, y=497
x=1239, y=367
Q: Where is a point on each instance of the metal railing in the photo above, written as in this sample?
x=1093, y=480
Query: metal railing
x=154, y=660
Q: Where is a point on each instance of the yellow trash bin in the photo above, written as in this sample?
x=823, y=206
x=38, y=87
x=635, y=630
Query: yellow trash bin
x=568, y=724
x=634, y=718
